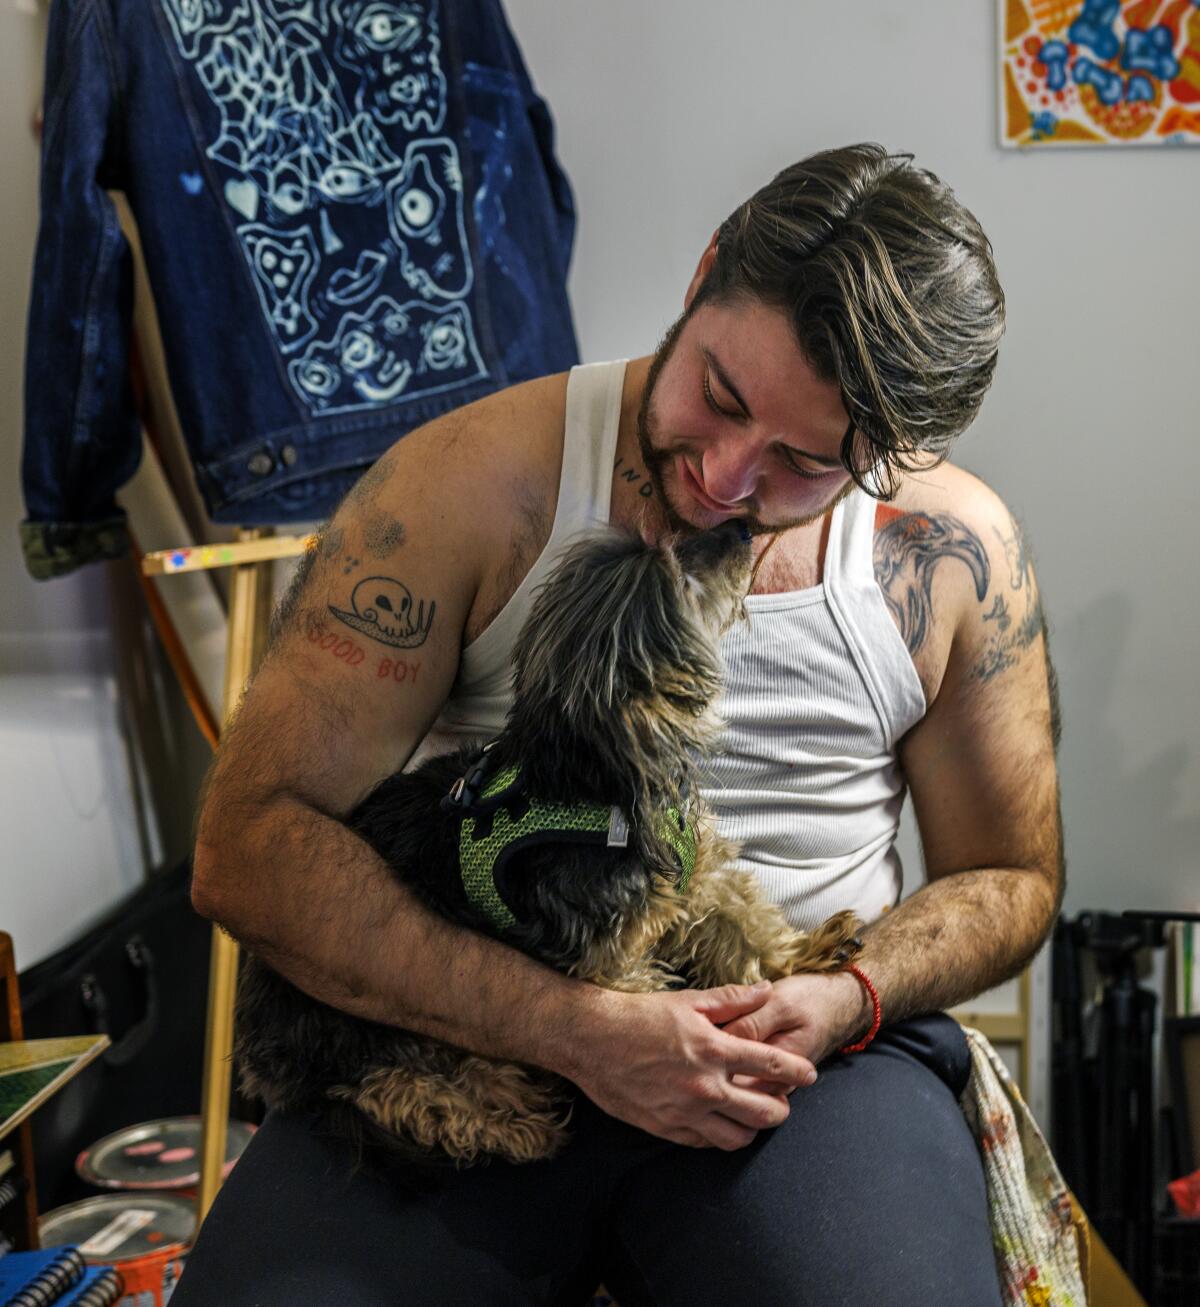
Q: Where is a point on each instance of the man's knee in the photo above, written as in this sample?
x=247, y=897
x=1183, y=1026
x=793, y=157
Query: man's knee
x=937, y=1042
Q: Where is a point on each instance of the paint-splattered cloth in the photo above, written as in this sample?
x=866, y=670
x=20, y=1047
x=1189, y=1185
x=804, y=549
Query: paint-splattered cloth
x=1034, y=1225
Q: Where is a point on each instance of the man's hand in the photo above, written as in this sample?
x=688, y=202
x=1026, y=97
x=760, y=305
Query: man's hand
x=662, y=1063
x=808, y=1015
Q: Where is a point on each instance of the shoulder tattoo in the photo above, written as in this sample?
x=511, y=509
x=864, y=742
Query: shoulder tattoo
x=907, y=552
x=1016, y=618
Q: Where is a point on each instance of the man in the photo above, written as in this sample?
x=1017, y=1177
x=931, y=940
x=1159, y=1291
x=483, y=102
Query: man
x=840, y=329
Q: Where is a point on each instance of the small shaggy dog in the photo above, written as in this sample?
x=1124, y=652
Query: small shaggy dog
x=576, y=835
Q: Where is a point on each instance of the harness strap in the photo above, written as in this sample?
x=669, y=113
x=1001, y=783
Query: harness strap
x=500, y=819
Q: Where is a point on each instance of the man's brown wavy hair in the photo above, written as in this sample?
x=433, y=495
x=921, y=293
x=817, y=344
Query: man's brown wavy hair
x=891, y=290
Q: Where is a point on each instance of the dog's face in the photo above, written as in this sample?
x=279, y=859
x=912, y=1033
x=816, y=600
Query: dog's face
x=618, y=659
x=715, y=566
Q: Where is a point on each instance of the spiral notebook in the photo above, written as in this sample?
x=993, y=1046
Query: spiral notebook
x=100, y=1287
x=38, y=1279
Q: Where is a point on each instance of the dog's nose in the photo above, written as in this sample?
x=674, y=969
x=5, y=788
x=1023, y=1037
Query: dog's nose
x=716, y=549
x=735, y=532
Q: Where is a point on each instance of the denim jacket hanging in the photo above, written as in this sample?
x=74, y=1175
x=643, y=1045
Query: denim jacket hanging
x=352, y=220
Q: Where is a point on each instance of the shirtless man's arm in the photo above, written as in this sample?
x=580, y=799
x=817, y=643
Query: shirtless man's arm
x=341, y=700
x=981, y=770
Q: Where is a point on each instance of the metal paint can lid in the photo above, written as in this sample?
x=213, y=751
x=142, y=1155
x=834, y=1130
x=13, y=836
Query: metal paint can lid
x=156, y=1155
x=112, y=1228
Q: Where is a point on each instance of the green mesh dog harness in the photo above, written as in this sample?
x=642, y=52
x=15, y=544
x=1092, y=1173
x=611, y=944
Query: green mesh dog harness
x=503, y=819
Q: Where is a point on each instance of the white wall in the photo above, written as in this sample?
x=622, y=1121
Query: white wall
x=99, y=760
x=670, y=113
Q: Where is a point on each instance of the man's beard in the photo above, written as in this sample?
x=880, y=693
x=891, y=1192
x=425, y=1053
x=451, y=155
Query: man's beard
x=656, y=460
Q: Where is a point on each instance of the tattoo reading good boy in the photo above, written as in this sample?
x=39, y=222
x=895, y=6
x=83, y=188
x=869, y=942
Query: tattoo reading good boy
x=354, y=655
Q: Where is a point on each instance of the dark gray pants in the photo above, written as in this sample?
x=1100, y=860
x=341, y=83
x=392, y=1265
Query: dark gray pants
x=871, y=1192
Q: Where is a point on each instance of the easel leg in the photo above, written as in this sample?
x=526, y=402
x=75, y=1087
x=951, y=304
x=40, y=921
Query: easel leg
x=249, y=616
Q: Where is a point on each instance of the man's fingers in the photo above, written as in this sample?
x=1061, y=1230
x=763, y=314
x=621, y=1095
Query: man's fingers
x=757, y=1110
x=738, y=1119
x=769, y=1062
x=730, y=1001
x=719, y=1131
x=688, y=1138
x=744, y=1027
x=762, y=1086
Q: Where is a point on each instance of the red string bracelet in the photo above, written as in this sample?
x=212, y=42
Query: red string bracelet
x=876, y=1010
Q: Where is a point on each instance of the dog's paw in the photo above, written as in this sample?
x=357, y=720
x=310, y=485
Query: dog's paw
x=828, y=948
x=841, y=935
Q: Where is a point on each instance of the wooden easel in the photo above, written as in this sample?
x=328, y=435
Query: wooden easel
x=22, y=1219
x=250, y=556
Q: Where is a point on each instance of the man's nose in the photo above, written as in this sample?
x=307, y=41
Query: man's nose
x=730, y=473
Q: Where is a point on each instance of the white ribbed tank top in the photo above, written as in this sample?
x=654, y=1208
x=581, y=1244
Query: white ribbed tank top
x=819, y=688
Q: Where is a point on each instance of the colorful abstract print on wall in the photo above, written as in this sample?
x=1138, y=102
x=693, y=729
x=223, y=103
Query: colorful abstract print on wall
x=345, y=193
x=1100, y=72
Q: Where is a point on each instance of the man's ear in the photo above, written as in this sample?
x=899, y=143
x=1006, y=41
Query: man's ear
x=699, y=277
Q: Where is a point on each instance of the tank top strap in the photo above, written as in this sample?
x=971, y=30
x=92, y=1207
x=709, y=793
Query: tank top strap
x=593, y=419
x=861, y=612
x=851, y=540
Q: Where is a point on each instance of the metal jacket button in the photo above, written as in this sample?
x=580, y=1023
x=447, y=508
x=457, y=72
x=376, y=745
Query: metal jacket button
x=289, y=455
x=261, y=463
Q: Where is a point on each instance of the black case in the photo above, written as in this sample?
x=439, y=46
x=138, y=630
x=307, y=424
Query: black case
x=140, y=976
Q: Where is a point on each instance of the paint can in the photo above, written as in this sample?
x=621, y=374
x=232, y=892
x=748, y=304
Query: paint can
x=144, y=1236
x=159, y=1155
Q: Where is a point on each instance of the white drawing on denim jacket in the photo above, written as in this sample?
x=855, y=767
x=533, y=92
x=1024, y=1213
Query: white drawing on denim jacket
x=337, y=206
x=393, y=49
x=425, y=205
x=313, y=12
x=348, y=286
x=284, y=264
x=192, y=20
x=374, y=356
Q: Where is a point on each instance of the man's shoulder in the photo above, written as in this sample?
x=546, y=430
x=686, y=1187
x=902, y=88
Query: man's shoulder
x=951, y=561
x=946, y=506
x=517, y=427
x=498, y=452
x=949, y=488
